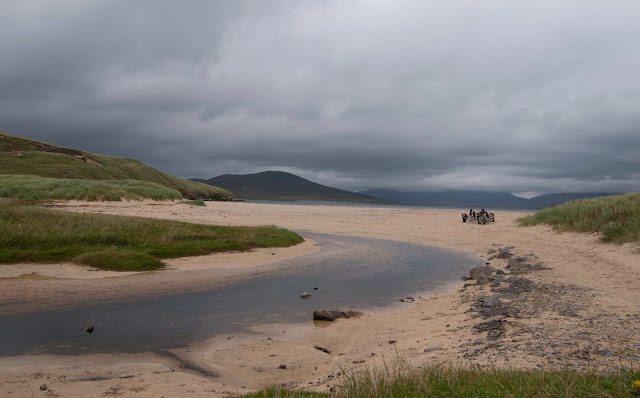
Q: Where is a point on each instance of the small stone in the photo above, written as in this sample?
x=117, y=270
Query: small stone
x=491, y=301
x=505, y=255
x=393, y=341
x=325, y=350
x=90, y=329
x=43, y=387
x=282, y=367
x=482, y=280
x=433, y=349
x=305, y=295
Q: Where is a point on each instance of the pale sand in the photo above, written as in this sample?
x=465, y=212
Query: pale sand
x=586, y=308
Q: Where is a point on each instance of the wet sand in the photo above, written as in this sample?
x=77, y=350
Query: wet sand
x=579, y=309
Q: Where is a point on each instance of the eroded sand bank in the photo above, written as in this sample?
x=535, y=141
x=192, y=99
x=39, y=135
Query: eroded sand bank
x=579, y=307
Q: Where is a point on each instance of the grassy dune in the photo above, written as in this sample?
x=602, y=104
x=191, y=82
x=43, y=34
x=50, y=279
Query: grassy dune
x=471, y=381
x=28, y=157
x=616, y=218
x=41, y=188
x=35, y=234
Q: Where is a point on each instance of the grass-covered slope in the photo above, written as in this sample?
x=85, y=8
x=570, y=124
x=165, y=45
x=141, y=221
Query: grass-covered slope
x=28, y=157
x=617, y=217
x=35, y=234
x=42, y=188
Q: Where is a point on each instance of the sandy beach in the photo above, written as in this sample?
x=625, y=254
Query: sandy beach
x=576, y=304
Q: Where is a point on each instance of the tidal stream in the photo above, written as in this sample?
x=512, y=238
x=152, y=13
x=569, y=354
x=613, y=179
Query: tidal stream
x=347, y=272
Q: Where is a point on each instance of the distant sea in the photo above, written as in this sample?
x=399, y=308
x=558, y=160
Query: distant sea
x=343, y=204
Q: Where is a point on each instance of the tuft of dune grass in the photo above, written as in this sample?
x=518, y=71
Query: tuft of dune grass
x=402, y=380
x=36, y=234
x=449, y=380
x=36, y=188
x=616, y=218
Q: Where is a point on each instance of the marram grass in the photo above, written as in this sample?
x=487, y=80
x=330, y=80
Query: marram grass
x=616, y=218
x=35, y=234
x=36, y=188
x=447, y=380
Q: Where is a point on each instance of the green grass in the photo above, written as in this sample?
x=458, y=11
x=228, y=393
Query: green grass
x=36, y=234
x=28, y=157
x=41, y=188
x=440, y=380
x=283, y=393
x=192, y=202
x=616, y=218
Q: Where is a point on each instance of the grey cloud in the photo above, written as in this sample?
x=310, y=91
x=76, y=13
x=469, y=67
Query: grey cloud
x=528, y=96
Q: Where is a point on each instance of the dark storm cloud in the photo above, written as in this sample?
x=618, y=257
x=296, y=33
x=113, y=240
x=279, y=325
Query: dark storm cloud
x=522, y=96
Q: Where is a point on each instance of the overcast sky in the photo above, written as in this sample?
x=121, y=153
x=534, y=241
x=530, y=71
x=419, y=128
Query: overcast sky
x=524, y=96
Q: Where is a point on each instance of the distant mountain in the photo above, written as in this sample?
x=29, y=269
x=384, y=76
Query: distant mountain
x=22, y=156
x=478, y=199
x=278, y=185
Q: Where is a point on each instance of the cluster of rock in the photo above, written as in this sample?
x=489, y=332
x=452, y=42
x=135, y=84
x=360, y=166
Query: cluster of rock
x=482, y=274
x=485, y=273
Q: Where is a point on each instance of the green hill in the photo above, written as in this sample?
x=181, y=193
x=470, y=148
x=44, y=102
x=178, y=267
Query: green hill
x=23, y=156
x=278, y=185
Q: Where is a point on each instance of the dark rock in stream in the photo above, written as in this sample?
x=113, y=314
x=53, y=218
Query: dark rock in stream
x=323, y=315
x=407, y=299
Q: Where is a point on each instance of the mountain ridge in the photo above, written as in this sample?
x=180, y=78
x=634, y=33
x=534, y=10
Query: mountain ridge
x=283, y=186
x=479, y=199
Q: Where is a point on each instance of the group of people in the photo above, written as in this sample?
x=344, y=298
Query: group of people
x=481, y=215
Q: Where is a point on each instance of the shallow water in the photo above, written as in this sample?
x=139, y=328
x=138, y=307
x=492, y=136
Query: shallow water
x=348, y=272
